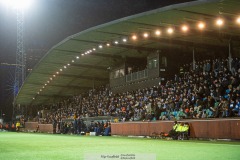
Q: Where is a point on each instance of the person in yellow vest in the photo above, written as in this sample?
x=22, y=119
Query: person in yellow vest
x=185, y=130
x=18, y=126
x=179, y=130
x=172, y=133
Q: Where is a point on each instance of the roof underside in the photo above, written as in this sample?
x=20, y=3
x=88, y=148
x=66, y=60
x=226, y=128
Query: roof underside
x=92, y=69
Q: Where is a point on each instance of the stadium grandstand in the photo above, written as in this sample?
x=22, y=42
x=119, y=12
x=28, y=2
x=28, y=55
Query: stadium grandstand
x=180, y=62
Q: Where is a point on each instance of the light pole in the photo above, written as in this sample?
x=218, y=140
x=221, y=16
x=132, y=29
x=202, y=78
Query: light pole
x=20, y=70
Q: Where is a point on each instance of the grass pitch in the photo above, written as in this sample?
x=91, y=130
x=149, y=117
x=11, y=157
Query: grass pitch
x=30, y=146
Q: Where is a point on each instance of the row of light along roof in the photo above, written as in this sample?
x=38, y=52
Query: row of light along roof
x=184, y=28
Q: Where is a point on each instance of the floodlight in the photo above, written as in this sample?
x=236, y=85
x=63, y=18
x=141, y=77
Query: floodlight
x=124, y=40
x=145, y=35
x=157, y=32
x=219, y=22
x=184, y=28
x=18, y=4
x=238, y=20
x=134, y=37
x=170, y=30
x=201, y=25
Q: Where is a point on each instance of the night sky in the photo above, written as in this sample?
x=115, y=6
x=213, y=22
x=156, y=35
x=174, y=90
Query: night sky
x=48, y=22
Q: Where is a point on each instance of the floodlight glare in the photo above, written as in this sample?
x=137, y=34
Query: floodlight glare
x=170, y=30
x=219, y=22
x=134, y=37
x=145, y=35
x=157, y=32
x=18, y=4
x=124, y=40
x=184, y=28
x=201, y=25
x=238, y=20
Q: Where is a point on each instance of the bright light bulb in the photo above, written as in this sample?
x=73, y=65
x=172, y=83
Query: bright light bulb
x=201, y=25
x=116, y=42
x=100, y=46
x=134, y=37
x=157, y=32
x=238, y=20
x=145, y=35
x=108, y=44
x=184, y=28
x=219, y=22
x=170, y=30
x=124, y=40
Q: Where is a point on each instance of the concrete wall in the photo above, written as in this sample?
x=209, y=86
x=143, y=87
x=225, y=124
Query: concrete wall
x=214, y=128
x=32, y=126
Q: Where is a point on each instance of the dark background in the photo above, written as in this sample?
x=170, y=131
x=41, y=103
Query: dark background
x=48, y=22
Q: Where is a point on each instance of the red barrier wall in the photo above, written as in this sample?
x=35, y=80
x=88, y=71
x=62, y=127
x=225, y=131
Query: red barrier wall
x=32, y=126
x=213, y=128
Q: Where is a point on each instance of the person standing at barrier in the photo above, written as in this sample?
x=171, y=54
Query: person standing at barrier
x=54, y=123
x=18, y=126
x=1, y=126
x=173, y=133
x=13, y=126
x=7, y=126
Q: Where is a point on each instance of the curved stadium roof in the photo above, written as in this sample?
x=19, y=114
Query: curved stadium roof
x=44, y=85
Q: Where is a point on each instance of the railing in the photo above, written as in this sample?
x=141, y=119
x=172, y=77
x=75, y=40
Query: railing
x=137, y=75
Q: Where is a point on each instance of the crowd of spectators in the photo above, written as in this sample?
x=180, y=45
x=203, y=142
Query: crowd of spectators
x=207, y=89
